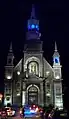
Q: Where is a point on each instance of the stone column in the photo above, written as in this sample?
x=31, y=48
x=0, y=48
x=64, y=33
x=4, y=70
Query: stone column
x=41, y=94
x=58, y=93
x=39, y=97
x=23, y=93
x=26, y=96
x=45, y=93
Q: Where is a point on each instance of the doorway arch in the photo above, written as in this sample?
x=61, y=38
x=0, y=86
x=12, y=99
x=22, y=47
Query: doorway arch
x=33, y=94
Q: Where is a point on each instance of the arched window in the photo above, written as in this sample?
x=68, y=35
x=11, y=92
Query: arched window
x=8, y=98
x=33, y=67
x=33, y=89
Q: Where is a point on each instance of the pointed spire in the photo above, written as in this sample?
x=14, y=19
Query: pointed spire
x=10, y=50
x=33, y=11
x=55, y=46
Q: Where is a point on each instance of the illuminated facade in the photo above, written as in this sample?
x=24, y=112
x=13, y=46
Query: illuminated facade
x=33, y=80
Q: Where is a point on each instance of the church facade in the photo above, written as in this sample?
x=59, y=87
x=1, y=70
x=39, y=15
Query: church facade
x=33, y=80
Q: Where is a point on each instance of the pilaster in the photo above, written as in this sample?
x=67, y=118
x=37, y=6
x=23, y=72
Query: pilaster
x=41, y=94
x=24, y=93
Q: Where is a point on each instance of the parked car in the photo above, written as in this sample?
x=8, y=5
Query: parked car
x=3, y=114
x=10, y=111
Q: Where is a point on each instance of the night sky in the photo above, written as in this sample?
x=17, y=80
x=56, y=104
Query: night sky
x=54, y=26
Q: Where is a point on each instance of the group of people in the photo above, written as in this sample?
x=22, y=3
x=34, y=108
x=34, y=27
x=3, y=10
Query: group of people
x=51, y=114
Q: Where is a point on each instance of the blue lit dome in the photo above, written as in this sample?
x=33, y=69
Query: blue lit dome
x=56, y=60
x=32, y=26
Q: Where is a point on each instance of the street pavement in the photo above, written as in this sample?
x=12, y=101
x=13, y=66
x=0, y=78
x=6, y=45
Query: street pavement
x=18, y=117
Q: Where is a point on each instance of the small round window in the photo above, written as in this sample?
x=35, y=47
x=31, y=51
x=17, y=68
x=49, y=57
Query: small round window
x=7, y=98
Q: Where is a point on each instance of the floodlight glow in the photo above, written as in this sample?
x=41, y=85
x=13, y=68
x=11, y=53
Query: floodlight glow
x=32, y=26
x=48, y=94
x=56, y=59
x=18, y=94
x=23, y=98
x=47, y=73
x=36, y=26
x=8, y=77
x=18, y=72
x=59, y=104
x=57, y=77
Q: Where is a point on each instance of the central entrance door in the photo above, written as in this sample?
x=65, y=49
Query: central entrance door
x=32, y=95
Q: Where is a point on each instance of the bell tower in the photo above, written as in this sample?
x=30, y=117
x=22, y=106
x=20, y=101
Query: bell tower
x=58, y=101
x=33, y=27
x=33, y=44
x=56, y=63
x=8, y=77
x=33, y=56
x=9, y=66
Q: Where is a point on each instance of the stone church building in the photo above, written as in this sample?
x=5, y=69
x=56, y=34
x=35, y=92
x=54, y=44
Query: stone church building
x=33, y=80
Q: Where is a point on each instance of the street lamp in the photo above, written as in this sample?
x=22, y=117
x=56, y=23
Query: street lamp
x=1, y=96
x=18, y=72
x=44, y=84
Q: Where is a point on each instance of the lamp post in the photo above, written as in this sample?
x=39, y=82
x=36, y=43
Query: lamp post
x=1, y=96
x=44, y=84
x=44, y=91
x=22, y=77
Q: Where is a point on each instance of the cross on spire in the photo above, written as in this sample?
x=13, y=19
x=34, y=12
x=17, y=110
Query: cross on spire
x=10, y=50
x=55, y=46
x=33, y=11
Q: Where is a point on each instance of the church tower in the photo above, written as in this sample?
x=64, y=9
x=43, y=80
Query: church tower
x=33, y=45
x=34, y=80
x=33, y=27
x=58, y=101
x=8, y=77
x=33, y=59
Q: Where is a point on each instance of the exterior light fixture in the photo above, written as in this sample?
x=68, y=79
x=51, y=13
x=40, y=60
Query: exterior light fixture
x=48, y=94
x=9, y=77
x=32, y=26
x=57, y=77
x=18, y=72
x=47, y=73
x=1, y=96
x=18, y=94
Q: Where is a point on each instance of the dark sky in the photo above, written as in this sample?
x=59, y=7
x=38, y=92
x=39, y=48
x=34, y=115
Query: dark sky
x=54, y=26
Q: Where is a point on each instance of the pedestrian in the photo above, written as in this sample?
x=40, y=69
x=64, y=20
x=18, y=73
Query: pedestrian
x=56, y=114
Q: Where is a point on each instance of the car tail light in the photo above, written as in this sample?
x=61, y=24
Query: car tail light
x=33, y=105
x=37, y=109
x=41, y=111
x=3, y=112
x=30, y=108
x=20, y=111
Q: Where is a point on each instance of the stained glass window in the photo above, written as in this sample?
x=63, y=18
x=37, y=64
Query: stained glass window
x=33, y=68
